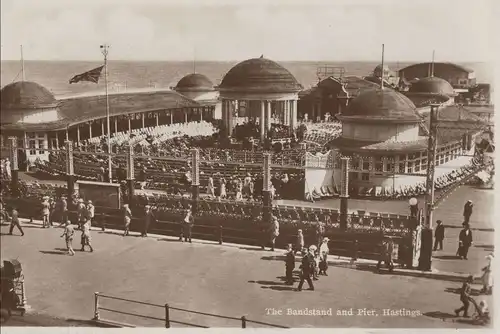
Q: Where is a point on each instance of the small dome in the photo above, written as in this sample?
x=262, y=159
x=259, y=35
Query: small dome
x=260, y=75
x=377, y=71
x=432, y=86
x=26, y=95
x=383, y=105
x=194, y=81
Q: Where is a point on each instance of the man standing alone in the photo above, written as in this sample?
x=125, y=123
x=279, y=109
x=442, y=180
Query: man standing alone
x=307, y=267
x=439, y=235
x=465, y=241
x=468, y=211
x=289, y=264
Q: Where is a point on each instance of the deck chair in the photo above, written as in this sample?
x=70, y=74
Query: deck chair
x=378, y=191
x=369, y=192
x=361, y=191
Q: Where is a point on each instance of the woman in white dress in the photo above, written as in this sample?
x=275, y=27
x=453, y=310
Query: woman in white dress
x=211, y=188
x=488, y=276
x=223, y=194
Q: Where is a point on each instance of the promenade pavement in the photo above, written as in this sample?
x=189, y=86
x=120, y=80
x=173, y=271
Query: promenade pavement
x=206, y=277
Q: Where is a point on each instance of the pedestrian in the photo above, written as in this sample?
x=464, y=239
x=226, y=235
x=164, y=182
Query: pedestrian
x=386, y=249
x=314, y=251
x=63, y=210
x=148, y=218
x=439, y=235
x=468, y=211
x=69, y=232
x=299, y=244
x=275, y=231
x=324, y=251
x=14, y=222
x=223, y=193
x=307, y=269
x=464, y=242
x=465, y=296
x=487, y=277
x=85, y=237
x=45, y=211
x=289, y=264
x=187, y=225
x=211, y=188
x=127, y=218
x=52, y=211
x=91, y=211
x=319, y=231
x=81, y=211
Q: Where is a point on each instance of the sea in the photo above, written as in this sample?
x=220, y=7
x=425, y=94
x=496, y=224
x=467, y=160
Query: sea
x=130, y=76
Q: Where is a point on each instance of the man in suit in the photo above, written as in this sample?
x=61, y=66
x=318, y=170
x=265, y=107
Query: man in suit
x=289, y=264
x=439, y=235
x=307, y=267
x=465, y=241
x=468, y=211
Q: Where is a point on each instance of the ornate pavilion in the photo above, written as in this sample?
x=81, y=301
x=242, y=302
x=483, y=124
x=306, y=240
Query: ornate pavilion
x=262, y=91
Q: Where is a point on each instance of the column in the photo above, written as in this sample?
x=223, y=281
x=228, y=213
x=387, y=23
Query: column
x=230, y=109
x=185, y=115
x=195, y=180
x=293, y=113
x=262, y=120
x=157, y=119
x=129, y=125
x=90, y=129
x=224, y=117
x=70, y=177
x=171, y=117
x=116, y=125
x=14, y=167
x=130, y=174
x=78, y=133
x=102, y=127
x=267, y=203
x=67, y=134
x=201, y=114
x=57, y=139
x=286, y=111
x=344, y=191
x=268, y=115
x=142, y=118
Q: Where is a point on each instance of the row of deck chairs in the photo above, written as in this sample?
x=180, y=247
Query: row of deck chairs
x=324, y=192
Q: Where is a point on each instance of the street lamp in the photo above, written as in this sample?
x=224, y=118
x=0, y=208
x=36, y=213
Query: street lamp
x=413, y=202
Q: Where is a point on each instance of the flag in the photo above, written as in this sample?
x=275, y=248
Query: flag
x=92, y=76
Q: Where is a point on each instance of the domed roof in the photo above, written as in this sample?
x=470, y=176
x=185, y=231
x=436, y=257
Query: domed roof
x=377, y=71
x=259, y=75
x=195, y=81
x=381, y=105
x=26, y=95
x=432, y=85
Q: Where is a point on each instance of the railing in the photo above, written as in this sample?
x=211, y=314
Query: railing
x=167, y=319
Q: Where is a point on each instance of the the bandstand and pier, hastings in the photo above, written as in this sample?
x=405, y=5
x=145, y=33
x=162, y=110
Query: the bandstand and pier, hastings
x=350, y=136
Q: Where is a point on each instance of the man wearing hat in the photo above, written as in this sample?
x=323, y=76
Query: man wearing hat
x=439, y=235
x=275, y=231
x=307, y=269
x=323, y=252
x=91, y=211
x=14, y=222
x=289, y=264
x=468, y=211
x=81, y=213
x=45, y=211
x=69, y=232
x=187, y=225
x=63, y=209
x=85, y=237
x=127, y=219
x=148, y=218
x=464, y=242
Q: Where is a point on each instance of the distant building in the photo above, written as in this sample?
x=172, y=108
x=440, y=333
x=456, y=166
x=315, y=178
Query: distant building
x=460, y=77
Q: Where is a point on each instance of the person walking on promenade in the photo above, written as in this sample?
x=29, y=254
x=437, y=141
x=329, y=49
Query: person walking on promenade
x=63, y=210
x=148, y=218
x=275, y=231
x=69, y=232
x=299, y=244
x=52, y=211
x=85, y=237
x=289, y=264
x=465, y=297
x=468, y=211
x=45, y=212
x=487, y=277
x=127, y=219
x=307, y=268
x=323, y=252
x=439, y=236
x=386, y=250
x=211, y=188
x=314, y=251
x=14, y=222
x=91, y=211
x=319, y=231
x=81, y=211
x=187, y=225
x=464, y=242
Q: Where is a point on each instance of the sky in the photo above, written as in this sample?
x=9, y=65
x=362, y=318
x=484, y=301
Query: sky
x=307, y=30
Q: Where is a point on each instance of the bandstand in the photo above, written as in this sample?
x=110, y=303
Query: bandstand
x=261, y=89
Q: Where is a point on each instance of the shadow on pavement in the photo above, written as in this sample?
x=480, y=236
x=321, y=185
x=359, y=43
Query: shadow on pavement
x=279, y=288
x=255, y=248
x=54, y=252
x=267, y=282
x=440, y=315
x=273, y=258
x=446, y=257
x=486, y=247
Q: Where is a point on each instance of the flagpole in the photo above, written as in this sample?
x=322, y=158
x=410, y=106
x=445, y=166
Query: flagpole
x=104, y=50
x=22, y=64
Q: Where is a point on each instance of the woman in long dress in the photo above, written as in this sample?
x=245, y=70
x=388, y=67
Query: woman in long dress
x=488, y=276
x=211, y=188
x=223, y=194
x=323, y=253
x=127, y=218
x=45, y=212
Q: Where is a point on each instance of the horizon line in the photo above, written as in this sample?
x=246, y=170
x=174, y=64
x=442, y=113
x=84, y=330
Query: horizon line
x=228, y=61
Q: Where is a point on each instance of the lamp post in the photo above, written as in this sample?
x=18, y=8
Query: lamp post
x=425, y=259
x=104, y=51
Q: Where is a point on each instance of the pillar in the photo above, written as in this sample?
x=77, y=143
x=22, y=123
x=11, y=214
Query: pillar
x=201, y=114
x=57, y=139
x=261, y=121
x=171, y=117
x=344, y=192
x=70, y=177
x=225, y=117
x=293, y=114
x=286, y=111
x=185, y=116
x=267, y=205
x=142, y=118
x=268, y=115
x=14, y=167
x=130, y=174
x=129, y=125
x=78, y=134
x=195, y=179
x=90, y=129
x=157, y=119
x=67, y=134
x=116, y=125
x=102, y=127
x=230, y=125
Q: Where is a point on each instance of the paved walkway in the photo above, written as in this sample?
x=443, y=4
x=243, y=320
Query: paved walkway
x=206, y=277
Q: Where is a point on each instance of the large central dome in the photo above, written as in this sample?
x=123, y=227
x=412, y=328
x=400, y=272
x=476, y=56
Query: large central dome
x=259, y=75
x=23, y=95
x=381, y=105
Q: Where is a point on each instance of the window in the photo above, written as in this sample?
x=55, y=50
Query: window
x=366, y=165
x=355, y=164
x=390, y=167
x=417, y=168
x=40, y=146
x=402, y=167
x=410, y=167
x=31, y=135
x=32, y=146
x=379, y=166
x=365, y=177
